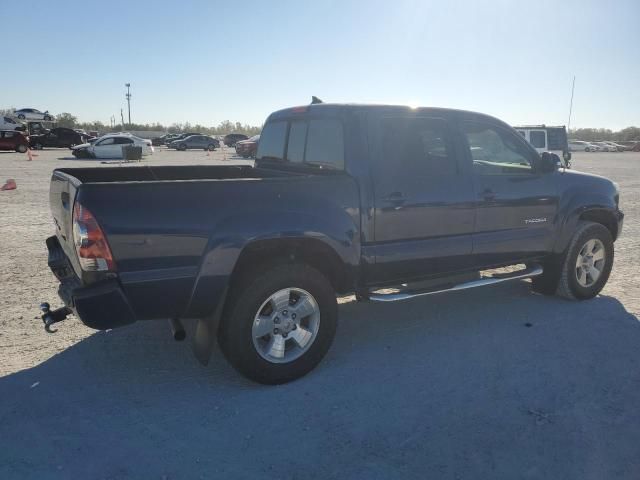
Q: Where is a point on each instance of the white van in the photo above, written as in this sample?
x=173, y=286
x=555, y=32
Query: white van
x=547, y=139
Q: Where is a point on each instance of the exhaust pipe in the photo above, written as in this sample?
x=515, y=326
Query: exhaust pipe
x=177, y=329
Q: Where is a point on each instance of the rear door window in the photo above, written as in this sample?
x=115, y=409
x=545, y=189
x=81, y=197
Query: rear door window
x=417, y=146
x=272, y=141
x=538, y=138
x=325, y=143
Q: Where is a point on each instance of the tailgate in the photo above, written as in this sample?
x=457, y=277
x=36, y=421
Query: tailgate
x=62, y=193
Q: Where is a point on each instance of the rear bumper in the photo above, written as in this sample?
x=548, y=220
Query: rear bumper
x=101, y=305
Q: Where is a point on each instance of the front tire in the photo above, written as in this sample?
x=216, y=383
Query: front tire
x=584, y=269
x=182, y=147
x=279, y=324
x=21, y=117
x=211, y=147
x=21, y=148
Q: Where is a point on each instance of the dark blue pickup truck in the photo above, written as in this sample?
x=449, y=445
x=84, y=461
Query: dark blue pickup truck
x=386, y=202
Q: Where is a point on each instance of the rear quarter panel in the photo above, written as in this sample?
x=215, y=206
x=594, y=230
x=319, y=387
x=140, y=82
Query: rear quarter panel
x=176, y=243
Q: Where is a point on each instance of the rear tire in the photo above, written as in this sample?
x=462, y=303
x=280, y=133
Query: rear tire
x=299, y=353
x=21, y=117
x=21, y=148
x=211, y=147
x=182, y=147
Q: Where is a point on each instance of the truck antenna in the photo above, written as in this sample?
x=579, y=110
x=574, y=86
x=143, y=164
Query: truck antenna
x=573, y=86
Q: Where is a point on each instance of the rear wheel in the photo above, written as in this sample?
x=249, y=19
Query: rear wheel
x=21, y=148
x=278, y=325
x=21, y=116
x=211, y=147
x=182, y=147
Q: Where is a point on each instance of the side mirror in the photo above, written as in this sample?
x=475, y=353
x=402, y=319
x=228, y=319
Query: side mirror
x=549, y=162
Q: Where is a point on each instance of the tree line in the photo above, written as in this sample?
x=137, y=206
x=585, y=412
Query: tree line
x=598, y=134
x=68, y=120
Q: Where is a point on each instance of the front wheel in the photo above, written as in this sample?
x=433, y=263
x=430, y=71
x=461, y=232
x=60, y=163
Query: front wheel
x=278, y=325
x=211, y=147
x=21, y=117
x=182, y=147
x=21, y=148
x=585, y=267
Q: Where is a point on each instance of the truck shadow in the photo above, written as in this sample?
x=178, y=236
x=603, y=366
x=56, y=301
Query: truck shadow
x=491, y=383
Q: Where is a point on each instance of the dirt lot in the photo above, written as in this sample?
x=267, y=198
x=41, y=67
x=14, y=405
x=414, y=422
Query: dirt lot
x=454, y=386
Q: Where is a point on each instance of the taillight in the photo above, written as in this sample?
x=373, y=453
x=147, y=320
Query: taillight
x=91, y=245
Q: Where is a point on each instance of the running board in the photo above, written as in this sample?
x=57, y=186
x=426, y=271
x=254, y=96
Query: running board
x=532, y=271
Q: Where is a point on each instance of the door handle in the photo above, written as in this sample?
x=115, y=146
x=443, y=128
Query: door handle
x=395, y=198
x=488, y=194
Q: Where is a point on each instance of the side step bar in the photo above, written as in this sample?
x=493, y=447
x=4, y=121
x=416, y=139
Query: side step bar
x=531, y=271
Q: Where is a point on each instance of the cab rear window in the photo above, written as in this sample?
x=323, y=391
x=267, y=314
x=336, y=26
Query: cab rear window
x=318, y=142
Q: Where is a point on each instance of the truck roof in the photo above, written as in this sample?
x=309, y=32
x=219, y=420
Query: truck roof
x=340, y=108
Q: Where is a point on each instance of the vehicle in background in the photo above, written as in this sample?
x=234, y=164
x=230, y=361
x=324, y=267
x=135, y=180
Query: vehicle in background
x=547, y=139
x=231, y=139
x=344, y=199
x=617, y=146
x=631, y=145
x=13, y=140
x=581, y=146
x=195, y=141
x=110, y=146
x=158, y=141
x=81, y=131
x=33, y=114
x=605, y=147
x=8, y=123
x=57, y=138
x=247, y=148
x=179, y=136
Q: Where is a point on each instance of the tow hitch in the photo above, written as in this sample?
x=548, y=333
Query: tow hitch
x=49, y=317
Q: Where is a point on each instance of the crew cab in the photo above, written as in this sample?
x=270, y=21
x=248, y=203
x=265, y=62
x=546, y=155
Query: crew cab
x=387, y=202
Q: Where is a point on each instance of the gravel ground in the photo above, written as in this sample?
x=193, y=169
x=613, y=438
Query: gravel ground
x=492, y=383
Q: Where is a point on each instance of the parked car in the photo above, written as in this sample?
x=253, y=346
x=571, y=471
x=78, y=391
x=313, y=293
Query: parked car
x=58, y=138
x=110, y=146
x=547, y=139
x=8, y=123
x=195, y=141
x=33, y=114
x=617, y=146
x=231, y=139
x=343, y=199
x=631, y=145
x=605, y=147
x=247, y=148
x=13, y=140
x=580, y=146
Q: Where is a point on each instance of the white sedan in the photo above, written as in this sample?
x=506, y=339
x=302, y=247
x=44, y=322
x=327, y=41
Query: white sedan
x=110, y=146
x=33, y=114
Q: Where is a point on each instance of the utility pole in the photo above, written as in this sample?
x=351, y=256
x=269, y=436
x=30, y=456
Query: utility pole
x=122, y=117
x=128, y=95
x=573, y=86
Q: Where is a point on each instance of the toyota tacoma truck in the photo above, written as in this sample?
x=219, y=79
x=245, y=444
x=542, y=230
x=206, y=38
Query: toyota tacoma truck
x=385, y=202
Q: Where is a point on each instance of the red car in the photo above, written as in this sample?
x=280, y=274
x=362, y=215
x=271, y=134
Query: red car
x=247, y=148
x=13, y=140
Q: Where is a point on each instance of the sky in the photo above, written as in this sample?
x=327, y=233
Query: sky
x=209, y=61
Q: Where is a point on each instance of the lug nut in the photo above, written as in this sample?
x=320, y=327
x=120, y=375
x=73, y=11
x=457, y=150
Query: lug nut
x=276, y=320
x=285, y=313
x=293, y=315
x=276, y=331
x=285, y=335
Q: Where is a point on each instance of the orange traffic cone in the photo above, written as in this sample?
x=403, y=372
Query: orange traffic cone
x=9, y=185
